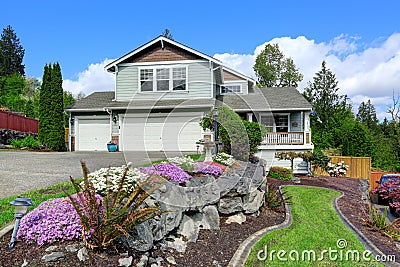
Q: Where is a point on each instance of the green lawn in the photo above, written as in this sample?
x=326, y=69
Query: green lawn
x=315, y=227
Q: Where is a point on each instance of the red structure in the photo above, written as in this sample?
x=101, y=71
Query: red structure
x=17, y=122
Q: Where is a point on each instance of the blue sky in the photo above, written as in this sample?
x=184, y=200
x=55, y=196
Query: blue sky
x=360, y=40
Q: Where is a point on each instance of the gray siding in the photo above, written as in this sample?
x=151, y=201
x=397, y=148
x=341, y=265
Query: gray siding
x=199, y=83
x=243, y=83
x=295, y=122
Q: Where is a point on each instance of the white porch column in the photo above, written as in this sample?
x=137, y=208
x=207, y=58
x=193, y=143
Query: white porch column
x=250, y=117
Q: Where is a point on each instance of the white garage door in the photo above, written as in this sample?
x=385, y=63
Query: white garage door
x=161, y=133
x=93, y=134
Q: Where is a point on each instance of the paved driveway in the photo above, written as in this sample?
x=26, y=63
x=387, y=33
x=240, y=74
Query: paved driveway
x=22, y=171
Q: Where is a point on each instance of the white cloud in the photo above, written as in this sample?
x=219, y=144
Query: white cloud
x=94, y=78
x=364, y=71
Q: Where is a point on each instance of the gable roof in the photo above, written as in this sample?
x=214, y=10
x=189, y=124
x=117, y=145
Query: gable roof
x=268, y=99
x=110, y=67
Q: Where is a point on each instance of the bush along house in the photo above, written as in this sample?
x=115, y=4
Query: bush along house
x=162, y=90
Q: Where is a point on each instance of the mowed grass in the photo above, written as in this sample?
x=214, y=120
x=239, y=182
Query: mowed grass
x=315, y=226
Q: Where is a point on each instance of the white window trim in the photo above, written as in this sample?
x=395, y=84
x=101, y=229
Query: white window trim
x=231, y=84
x=273, y=115
x=170, y=67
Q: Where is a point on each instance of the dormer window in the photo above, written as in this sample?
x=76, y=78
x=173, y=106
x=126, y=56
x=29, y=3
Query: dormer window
x=231, y=89
x=163, y=79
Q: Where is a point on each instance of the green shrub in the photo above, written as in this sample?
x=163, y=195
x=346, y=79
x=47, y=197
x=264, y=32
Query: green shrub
x=280, y=173
x=28, y=142
x=239, y=138
x=16, y=143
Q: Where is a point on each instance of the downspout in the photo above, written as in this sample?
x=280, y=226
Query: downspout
x=115, y=86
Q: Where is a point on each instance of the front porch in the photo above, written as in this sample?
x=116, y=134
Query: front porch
x=287, y=138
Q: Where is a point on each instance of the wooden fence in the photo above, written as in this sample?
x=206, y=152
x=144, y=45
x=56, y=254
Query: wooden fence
x=17, y=122
x=359, y=167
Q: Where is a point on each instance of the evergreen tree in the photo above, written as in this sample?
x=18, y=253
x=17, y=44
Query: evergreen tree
x=367, y=115
x=330, y=109
x=11, y=53
x=51, y=113
x=45, y=105
x=167, y=34
x=274, y=70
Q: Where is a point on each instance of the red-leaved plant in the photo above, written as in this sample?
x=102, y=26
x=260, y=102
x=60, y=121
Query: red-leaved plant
x=118, y=212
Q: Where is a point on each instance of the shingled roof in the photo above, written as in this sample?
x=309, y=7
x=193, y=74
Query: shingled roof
x=268, y=99
x=99, y=101
x=261, y=99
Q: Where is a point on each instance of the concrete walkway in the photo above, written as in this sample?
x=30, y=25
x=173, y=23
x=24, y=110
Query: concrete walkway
x=23, y=171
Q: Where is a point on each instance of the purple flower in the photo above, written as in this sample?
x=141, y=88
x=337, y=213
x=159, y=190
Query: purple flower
x=53, y=220
x=205, y=168
x=167, y=170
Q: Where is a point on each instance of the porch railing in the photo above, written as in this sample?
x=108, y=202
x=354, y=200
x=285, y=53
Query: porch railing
x=281, y=138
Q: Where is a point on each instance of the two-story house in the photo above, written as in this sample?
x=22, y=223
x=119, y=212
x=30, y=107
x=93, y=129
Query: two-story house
x=162, y=90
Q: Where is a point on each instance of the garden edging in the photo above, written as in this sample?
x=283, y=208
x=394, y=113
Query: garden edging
x=6, y=229
x=241, y=254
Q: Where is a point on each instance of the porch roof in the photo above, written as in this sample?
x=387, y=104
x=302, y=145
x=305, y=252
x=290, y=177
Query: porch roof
x=267, y=99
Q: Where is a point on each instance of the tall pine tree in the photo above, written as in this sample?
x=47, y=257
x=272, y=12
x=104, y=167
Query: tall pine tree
x=51, y=115
x=11, y=53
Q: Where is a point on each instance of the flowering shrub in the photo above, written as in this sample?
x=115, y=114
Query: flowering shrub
x=186, y=163
x=167, y=170
x=395, y=206
x=280, y=173
x=113, y=176
x=337, y=169
x=223, y=167
x=390, y=190
x=224, y=159
x=205, y=168
x=53, y=220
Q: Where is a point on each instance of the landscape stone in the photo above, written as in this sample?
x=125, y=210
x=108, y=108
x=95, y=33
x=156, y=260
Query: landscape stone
x=189, y=226
x=140, y=237
x=54, y=256
x=171, y=260
x=253, y=201
x=210, y=219
x=51, y=248
x=71, y=248
x=237, y=218
x=126, y=262
x=229, y=205
x=178, y=244
x=83, y=254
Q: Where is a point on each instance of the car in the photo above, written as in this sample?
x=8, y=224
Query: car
x=389, y=177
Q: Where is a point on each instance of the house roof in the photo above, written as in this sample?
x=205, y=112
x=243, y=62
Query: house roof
x=262, y=99
x=268, y=99
x=100, y=101
x=110, y=67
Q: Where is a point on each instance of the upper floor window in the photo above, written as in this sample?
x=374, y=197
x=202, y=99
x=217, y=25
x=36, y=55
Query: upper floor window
x=231, y=89
x=159, y=79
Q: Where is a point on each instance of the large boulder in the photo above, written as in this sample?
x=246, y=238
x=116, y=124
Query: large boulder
x=253, y=201
x=229, y=205
x=140, y=237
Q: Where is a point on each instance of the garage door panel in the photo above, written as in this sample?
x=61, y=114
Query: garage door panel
x=168, y=133
x=93, y=135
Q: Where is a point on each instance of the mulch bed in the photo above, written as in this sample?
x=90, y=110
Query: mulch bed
x=214, y=247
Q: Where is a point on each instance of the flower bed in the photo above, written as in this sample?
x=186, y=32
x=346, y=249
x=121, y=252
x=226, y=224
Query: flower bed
x=168, y=170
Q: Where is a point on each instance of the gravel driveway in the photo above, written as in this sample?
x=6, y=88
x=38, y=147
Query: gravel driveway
x=22, y=171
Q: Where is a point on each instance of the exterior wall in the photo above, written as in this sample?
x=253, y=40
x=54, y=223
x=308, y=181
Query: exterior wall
x=199, y=83
x=156, y=53
x=231, y=77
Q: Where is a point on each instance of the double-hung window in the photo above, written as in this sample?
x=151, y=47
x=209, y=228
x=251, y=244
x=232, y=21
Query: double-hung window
x=276, y=122
x=231, y=89
x=162, y=79
x=146, y=80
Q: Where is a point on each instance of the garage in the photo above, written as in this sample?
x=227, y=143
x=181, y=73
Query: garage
x=161, y=132
x=94, y=134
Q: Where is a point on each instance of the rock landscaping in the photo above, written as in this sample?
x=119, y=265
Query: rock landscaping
x=7, y=135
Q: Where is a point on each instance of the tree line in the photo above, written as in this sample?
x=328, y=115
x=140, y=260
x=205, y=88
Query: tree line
x=44, y=100
x=336, y=130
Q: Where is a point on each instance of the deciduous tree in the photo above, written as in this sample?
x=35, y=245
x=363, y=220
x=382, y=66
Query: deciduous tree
x=274, y=70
